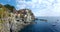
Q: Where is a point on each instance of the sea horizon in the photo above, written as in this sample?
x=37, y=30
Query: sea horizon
x=51, y=25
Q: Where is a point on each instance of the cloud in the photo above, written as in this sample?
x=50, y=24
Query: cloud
x=40, y=7
x=28, y=4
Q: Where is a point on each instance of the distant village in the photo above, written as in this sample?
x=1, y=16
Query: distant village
x=12, y=20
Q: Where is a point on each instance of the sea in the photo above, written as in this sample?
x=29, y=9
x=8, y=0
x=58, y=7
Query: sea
x=51, y=25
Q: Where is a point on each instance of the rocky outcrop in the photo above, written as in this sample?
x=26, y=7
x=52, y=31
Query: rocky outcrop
x=27, y=14
x=20, y=19
x=4, y=24
x=14, y=21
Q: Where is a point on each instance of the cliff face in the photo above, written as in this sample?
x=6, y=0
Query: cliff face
x=20, y=18
x=14, y=21
x=4, y=24
x=27, y=14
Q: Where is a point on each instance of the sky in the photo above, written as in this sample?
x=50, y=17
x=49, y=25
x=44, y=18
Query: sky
x=38, y=7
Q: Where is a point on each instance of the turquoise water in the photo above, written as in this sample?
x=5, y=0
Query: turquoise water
x=52, y=25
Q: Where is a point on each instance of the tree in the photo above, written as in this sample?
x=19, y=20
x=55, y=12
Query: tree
x=9, y=7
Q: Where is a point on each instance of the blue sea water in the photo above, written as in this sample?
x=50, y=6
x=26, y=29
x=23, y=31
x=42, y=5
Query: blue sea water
x=52, y=25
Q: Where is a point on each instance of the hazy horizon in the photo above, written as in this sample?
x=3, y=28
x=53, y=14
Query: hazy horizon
x=38, y=7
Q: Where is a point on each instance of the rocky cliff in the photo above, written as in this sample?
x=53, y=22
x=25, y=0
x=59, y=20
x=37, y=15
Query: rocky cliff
x=26, y=13
x=21, y=18
x=16, y=20
x=4, y=24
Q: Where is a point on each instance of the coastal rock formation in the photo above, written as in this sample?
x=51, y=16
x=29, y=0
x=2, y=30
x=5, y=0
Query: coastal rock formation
x=4, y=24
x=26, y=14
x=20, y=19
x=16, y=20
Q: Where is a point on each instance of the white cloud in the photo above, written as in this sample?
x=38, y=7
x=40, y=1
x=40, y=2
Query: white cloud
x=41, y=7
x=32, y=3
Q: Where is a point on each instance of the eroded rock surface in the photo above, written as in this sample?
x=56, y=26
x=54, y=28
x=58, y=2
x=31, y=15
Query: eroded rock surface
x=14, y=21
